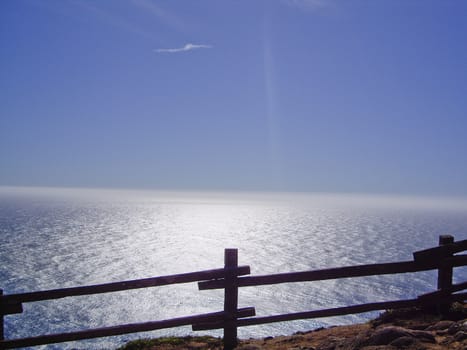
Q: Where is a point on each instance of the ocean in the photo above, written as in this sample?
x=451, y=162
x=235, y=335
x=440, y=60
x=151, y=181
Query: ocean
x=58, y=237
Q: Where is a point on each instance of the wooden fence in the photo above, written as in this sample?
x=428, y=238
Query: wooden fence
x=232, y=277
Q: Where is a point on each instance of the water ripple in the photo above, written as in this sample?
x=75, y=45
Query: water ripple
x=52, y=241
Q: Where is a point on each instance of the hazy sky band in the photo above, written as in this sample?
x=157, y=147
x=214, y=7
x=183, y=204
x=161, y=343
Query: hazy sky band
x=327, y=96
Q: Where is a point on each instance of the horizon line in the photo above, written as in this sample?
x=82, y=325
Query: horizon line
x=233, y=191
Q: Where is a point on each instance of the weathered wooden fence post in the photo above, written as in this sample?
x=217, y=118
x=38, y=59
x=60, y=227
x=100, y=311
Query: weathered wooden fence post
x=445, y=272
x=230, y=298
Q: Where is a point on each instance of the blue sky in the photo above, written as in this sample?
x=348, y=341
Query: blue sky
x=304, y=95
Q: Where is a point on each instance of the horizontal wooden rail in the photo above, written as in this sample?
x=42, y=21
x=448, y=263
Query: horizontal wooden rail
x=325, y=274
x=441, y=293
x=440, y=251
x=347, y=310
x=336, y=273
x=10, y=309
x=122, y=329
x=12, y=299
x=338, y=311
x=456, y=260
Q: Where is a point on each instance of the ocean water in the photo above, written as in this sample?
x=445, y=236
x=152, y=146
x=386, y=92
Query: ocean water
x=54, y=238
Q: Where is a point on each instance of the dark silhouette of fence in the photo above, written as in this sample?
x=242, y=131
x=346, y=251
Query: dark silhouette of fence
x=442, y=258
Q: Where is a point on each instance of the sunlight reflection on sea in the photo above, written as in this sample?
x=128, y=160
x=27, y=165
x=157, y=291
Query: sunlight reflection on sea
x=62, y=238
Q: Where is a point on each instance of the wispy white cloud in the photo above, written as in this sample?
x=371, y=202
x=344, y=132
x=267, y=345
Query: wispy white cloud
x=187, y=47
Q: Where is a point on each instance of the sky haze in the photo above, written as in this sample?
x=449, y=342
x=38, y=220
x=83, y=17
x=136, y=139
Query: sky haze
x=280, y=95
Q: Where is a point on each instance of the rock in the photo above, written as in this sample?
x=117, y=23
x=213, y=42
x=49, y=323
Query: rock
x=460, y=336
x=403, y=342
x=386, y=335
x=447, y=340
x=360, y=340
x=458, y=326
x=441, y=325
x=424, y=336
x=463, y=325
x=267, y=338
